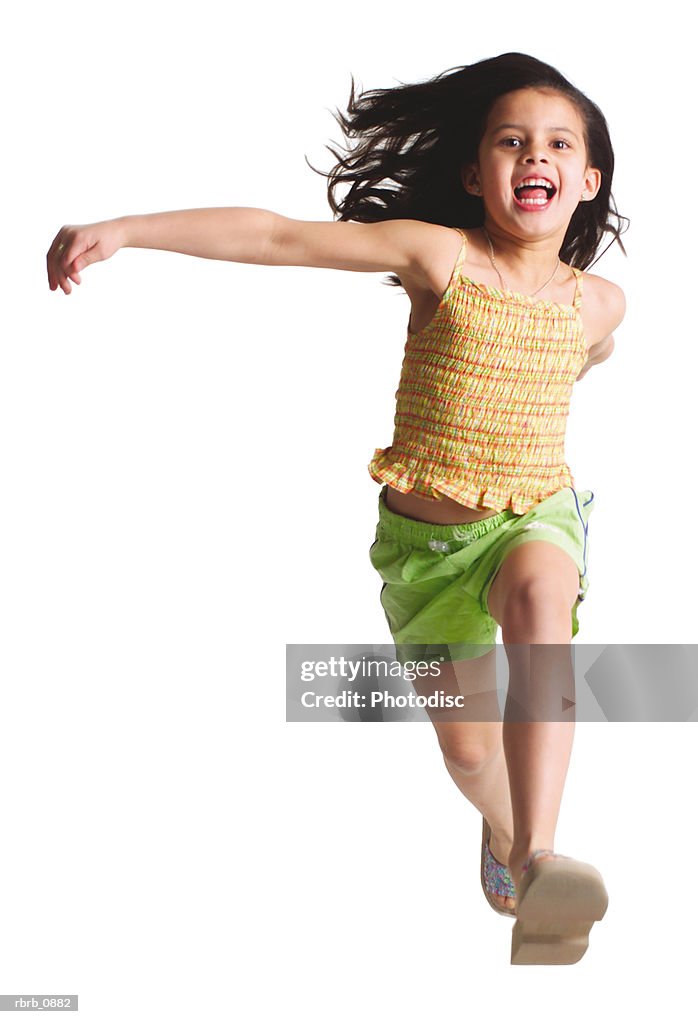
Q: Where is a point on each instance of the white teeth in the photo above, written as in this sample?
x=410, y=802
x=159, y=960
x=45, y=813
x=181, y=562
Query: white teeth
x=535, y=181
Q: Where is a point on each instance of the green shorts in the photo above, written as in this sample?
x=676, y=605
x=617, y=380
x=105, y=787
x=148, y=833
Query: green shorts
x=436, y=578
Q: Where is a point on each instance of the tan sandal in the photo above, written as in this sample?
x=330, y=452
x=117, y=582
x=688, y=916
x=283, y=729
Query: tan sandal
x=558, y=901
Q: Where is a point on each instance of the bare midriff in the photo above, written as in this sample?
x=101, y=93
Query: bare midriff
x=443, y=512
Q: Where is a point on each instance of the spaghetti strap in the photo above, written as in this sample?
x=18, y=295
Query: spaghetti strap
x=461, y=253
x=578, y=290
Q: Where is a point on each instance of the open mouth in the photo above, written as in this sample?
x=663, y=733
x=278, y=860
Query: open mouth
x=534, y=192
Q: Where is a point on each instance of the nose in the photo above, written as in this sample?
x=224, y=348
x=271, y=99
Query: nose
x=535, y=157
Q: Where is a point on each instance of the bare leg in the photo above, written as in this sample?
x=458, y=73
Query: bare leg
x=486, y=786
x=472, y=750
x=532, y=604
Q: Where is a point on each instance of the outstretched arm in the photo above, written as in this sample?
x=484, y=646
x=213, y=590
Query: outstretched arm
x=247, y=235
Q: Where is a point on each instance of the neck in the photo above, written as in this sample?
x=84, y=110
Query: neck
x=528, y=260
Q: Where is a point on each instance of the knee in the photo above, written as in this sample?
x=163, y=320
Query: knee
x=467, y=756
x=542, y=598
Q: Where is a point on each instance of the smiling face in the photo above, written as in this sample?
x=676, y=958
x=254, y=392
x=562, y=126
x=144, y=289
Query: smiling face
x=532, y=170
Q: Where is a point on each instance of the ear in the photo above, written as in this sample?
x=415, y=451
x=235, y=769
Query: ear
x=592, y=184
x=470, y=177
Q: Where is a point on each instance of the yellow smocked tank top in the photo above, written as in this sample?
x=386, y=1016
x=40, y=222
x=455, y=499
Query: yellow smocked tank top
x=484, y=397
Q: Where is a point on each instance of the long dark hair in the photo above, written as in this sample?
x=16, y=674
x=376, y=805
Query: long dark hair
x=412, y=140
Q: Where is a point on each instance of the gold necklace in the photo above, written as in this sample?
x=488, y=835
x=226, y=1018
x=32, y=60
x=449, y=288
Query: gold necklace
x=505, y=287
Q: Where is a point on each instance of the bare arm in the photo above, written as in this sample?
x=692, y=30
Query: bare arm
x=610, y=310
x=239, y=233
x=597, y=354
x=248, y=235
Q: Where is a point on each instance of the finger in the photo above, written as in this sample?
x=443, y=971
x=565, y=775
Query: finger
x=62, y=274
x=57, y=259
x=53, y=262
x=72, y=269
x=51, y=279
x=64, y=262
x=69, y=265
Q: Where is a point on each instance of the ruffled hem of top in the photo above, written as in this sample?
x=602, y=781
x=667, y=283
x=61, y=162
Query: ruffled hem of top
x=411, y=477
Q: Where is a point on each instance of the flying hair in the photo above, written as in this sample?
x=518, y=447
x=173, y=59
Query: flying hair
x=406, y=145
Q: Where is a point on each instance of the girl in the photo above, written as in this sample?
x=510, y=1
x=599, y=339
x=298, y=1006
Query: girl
x=487, y=192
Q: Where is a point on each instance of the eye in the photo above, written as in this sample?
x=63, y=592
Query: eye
x=561, y=142
x=511, y=138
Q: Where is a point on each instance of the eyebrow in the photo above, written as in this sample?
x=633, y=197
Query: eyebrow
x=520, y=127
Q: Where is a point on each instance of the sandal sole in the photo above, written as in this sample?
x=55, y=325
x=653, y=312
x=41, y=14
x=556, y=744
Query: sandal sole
x=559, y=902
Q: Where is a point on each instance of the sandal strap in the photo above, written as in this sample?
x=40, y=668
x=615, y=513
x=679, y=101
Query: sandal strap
x=497, y=877
x=537, y=853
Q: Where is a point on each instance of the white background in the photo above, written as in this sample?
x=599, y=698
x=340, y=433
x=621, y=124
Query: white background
x=183, y=459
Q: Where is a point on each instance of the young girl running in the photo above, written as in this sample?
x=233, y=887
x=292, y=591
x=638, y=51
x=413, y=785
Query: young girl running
x=486, y=191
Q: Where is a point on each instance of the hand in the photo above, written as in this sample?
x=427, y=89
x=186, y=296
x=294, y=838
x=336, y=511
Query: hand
x=76, y=246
